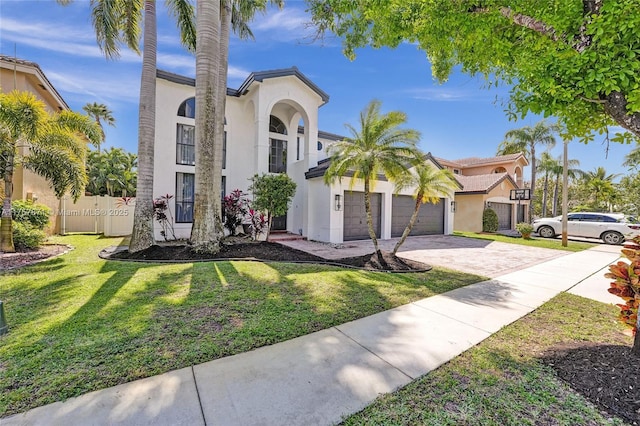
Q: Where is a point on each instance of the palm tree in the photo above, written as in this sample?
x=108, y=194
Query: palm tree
x=632, y=159
x=207, y=230
x=600, y=185
x=55, y=148
x=557, y=170
x=430, y=185
x=380, y=146
x=116, y=22
x=100, y=113
x=546, y=165
x=525, y=140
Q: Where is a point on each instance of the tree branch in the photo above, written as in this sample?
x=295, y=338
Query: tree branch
x=531, y=23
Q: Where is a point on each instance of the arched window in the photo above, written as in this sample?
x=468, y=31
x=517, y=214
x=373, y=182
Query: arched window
x=187, y=108
x=500, y=170
x=320, y=146
x=276, y=125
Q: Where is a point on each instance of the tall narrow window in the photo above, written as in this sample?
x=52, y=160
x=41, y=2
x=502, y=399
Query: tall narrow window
x=185, y=183
x=277, y=156
x=224, y=151
x=185, y=145
x=298, y=148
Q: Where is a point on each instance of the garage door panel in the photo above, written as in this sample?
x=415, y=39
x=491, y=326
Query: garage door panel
x=430, y=220
x=503, y=210
x=355, y=215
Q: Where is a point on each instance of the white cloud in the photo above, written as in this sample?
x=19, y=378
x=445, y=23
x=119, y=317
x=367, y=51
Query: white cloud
x=289, y=24
x=55, y=38
x=446, y=94
x=107, y=88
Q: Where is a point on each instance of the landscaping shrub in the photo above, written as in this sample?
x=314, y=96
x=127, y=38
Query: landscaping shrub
x=162, y=214
x=525, y=229
x=26, y=236
x=36, y=215
x=235, y=207
x=489, y=220
x=627, y=286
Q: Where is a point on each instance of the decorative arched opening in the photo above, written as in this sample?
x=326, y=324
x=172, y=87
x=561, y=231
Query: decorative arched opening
x=187, y=108
x=499, y=170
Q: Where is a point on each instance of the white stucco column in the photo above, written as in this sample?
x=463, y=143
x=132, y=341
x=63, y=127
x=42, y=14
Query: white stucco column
x=261, y=144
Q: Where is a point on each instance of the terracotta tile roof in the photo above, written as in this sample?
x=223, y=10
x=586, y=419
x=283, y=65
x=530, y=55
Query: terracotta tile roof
x=482, y=183
x=475, y=161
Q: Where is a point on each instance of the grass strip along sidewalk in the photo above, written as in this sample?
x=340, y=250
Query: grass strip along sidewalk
x=547, y=368
x=78, y=323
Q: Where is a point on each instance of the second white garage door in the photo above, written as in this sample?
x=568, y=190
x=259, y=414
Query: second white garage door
x=430, y=219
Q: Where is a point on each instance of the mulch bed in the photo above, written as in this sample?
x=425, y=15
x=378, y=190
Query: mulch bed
x=27, y=257
x=270, y=252
x=607, y=375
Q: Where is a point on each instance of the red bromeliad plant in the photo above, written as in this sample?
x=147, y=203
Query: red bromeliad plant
x=627, y=286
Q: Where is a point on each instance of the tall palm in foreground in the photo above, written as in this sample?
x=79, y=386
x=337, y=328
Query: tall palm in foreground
x=118, y=22
x=379, y=146
x=52, y=146
x=212, y=57
x=100, y=113
x=430, y=185
x=525, y=140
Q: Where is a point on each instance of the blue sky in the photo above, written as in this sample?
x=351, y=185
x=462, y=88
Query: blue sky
x=458, y=119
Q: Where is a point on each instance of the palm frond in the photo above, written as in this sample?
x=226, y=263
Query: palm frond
x=185, y=15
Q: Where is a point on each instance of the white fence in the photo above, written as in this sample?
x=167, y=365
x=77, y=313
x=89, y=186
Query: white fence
x=97, y=214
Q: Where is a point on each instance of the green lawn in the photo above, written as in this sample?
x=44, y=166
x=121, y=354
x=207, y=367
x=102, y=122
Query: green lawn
x=534, y=242
x=503, y=381
x=79, y=323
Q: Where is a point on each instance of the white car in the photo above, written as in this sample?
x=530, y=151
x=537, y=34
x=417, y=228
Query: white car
x=612, y=228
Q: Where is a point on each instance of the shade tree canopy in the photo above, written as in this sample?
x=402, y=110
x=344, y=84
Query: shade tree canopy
x=577, y=60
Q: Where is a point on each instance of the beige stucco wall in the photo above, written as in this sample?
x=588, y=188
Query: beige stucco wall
x=24, y=181
x=469, y=207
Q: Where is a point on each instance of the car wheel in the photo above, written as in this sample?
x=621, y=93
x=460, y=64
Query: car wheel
x=546, y=232
x=611, y=237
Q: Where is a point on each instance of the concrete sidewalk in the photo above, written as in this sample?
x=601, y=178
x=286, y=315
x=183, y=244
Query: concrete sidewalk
x=319, y=378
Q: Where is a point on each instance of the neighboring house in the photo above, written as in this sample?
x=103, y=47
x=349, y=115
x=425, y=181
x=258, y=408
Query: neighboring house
x=271, y=126
x=487, y=182
x=18, y=74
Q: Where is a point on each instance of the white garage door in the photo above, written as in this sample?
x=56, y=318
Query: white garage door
x=355, y=217
x=430, y=219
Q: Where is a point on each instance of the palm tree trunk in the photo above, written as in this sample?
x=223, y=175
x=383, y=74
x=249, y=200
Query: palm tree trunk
x=532, y=151
x=142, y=235
x=207, y=226
x=412, y=222
x=6, y=228
x=555, y=197
x=545, y=192
x=367, y=209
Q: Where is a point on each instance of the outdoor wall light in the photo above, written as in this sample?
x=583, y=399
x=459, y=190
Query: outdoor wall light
x=338, y=202
x=453, y=207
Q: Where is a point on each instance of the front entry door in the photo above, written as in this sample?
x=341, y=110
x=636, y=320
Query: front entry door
x=279, y=223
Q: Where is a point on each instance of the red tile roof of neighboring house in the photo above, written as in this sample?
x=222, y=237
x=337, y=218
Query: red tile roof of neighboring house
x=476, y=161
x=482, y=183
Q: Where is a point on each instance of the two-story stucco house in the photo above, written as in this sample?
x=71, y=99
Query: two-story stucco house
x=487, y=182
x=271, y=126
x=26, y=76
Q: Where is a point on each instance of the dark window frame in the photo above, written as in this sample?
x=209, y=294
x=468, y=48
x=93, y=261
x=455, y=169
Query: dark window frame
x=277, y=159
x=182, y=148
x=185, y=211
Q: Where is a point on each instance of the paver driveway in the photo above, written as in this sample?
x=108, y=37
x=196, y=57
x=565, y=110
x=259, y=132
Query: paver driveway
x=482, y=257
